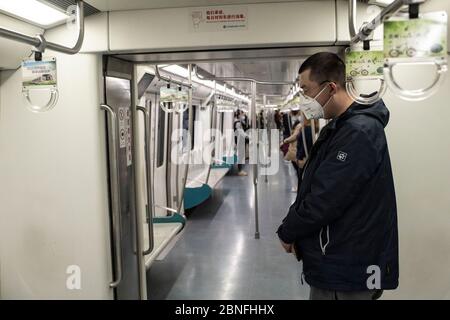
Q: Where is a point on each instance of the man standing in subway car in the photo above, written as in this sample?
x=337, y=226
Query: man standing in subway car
x=343, y=223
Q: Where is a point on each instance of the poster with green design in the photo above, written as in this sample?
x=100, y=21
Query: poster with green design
x=182, y=96
x=168, y=94
x=364, y=64
x=425, y=37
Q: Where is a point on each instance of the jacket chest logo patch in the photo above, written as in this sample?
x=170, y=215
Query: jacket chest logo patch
x=341, y=156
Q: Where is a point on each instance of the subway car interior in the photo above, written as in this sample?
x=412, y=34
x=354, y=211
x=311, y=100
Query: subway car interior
x=145, y=149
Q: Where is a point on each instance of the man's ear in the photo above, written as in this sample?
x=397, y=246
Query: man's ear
x=333, y=88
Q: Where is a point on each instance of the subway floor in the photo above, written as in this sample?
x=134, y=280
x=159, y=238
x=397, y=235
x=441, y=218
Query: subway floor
x=217, y=256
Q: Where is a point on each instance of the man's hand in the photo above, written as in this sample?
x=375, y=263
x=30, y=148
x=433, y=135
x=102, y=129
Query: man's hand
x=289, y=248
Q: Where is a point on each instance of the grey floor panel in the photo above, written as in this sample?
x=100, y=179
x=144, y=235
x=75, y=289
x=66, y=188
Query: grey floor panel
x=217, y=256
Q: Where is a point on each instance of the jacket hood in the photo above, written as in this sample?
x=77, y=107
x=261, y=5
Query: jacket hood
x=378, y=110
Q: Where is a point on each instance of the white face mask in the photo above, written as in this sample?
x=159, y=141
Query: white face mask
x=312, y=108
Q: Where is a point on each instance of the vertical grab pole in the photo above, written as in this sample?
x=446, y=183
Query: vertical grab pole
x=138, y=195
x=178, y=125
x=255, y=148
x=267, y=128
x=216, y=123
x=190, y=127
x=149, y=176
x=269, y=136
x=156, y=115
x=213, y=105
x=169, y=163
x=115, y=194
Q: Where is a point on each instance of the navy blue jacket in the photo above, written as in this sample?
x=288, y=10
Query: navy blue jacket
x=344, y=219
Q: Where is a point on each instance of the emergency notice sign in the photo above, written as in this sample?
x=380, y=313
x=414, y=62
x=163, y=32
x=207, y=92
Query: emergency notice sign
x=227, y=18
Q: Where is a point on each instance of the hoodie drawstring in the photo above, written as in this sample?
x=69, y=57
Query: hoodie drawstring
x=324, y=247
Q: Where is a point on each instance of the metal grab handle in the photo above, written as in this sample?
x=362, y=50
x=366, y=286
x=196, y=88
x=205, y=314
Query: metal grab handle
x=352, y=92
x=416, y=94
x=182, y=109
x=352, y=18
x=150, y=202
x=48, y=106
x=39, y=41
x=115, y=193
x=165, y=109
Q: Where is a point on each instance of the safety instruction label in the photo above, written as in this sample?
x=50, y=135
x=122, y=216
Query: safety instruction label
x=125, y=132
x=425, y=37
x=227, y=18
x=364, y=64
x=39, y=74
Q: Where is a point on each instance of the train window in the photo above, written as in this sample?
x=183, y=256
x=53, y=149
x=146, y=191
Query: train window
x=194, y=116
x=211, y=116
x=186, y=126
x=161, y=135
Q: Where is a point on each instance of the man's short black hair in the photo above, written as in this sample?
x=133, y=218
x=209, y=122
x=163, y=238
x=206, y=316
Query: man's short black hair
x=325, y=66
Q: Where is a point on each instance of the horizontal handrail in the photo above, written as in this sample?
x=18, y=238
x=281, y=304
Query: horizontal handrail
x=367, y=29
x=243, y=79
x=39, y=41
x=170, y=80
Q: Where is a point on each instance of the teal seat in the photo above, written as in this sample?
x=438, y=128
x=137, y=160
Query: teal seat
x=194, y=196
x=221, y=166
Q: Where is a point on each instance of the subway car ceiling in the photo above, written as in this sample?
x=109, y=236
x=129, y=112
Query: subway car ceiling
x=133, y=27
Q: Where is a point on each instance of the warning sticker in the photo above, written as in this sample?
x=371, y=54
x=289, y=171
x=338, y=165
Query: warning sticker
x=125, y=132
x=128, y=134
x=227, y=18
x=122, y=128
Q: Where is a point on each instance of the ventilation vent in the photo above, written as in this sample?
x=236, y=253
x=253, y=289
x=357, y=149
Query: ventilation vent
x=64, y=4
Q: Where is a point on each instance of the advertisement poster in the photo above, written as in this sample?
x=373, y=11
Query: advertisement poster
x=416, y=38
x=39, y=74
x=364, y=64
